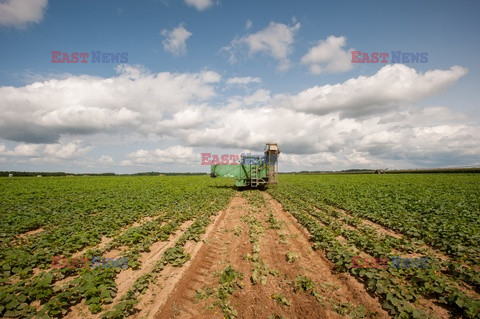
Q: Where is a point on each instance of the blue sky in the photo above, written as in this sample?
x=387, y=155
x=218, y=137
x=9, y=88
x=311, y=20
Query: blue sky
x=227, y=76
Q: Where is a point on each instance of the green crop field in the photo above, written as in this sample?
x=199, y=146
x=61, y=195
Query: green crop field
x=75, y=213
x=429, y=215
x=437, y=215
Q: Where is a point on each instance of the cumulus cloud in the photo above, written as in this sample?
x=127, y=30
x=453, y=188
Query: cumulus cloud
x=172, y=155
x=328, y=56
x=21, y=149
x=200, y=5
x=391, y=86
x=135, y=99
x=188, y=118
x=66, y=151
x=329, y=141
x=276, y=40
x=248, y=128
x=176, y=40
x=47, y=152
x=426, y=145
x=105, y=159
x=176, y=114
x=243, y=80
x=259, y=96
x=19, y=13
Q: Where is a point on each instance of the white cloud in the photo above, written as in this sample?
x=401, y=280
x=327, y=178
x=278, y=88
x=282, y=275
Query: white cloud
x=25, y=150
x=168, y=117
x=63, y=150
x=172, y=155
x=328, y=56
x=19, y=13
x=243, y=80
x=200, y=5
x=308, y=161
x=427, y=144
x=391, y=86
x=134, y=100
x=176, y=40
x=21, y=149
x=330, y=142
x=210, y=76
x=105, y=159
x=359, y=158
x=66, y=151
x=260, y=95
x=188, y=118
x=276, y=40
x=248, y=24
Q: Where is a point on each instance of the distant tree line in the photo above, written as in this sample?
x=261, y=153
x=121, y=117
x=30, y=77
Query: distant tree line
x=392, y=171
x=160, y=173
x=348, y=171
x=27, y=174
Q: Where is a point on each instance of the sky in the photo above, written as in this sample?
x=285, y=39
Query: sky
x=163, y=81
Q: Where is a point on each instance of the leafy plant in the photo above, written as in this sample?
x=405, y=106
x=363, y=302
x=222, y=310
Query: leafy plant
x=291, y=257
x=281, y=299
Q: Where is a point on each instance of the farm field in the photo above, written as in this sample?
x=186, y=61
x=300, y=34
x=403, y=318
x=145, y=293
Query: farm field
x=198, y=248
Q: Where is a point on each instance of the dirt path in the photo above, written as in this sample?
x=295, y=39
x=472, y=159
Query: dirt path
x=256, y=262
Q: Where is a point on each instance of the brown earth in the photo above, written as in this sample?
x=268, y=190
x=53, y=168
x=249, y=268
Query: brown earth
x=126, y=278
x=229, y=242
x=268, y=250
x=30, y=233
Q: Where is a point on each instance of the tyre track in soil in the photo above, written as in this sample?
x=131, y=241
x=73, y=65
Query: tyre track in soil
x=211, y=256
x=228, y=244
x=344, y=289
x=158, y=292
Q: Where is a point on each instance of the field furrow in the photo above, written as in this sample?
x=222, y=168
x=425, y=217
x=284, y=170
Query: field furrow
x=313, y=246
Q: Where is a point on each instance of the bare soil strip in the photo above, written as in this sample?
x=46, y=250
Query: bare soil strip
x=103, y=242
x=423, y=250
x=100, y=246
x=157, y=294
x=254, y=238
x=127, y=278
x=388, y=232
x=430, y=307
x=343, y=290
x=30, y=233
x=228, y=243
x=107, y=240
x=114, y=253
x=381, y=229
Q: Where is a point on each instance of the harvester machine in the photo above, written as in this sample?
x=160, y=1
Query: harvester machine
x=252, y=170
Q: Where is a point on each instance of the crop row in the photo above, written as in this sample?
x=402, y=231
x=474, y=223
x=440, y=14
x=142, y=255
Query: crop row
x=440, y=209
x=389, y=284
x=170, y=200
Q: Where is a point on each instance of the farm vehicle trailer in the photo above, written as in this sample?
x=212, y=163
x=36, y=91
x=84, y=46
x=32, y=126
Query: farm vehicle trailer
x=252, y=170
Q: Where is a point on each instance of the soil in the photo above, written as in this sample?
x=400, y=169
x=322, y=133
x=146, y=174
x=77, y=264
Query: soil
x=228, y=243
x=255, y=238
